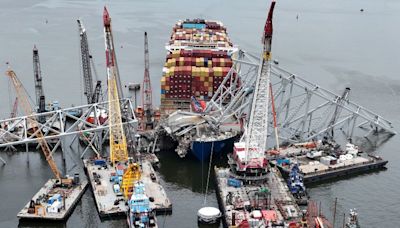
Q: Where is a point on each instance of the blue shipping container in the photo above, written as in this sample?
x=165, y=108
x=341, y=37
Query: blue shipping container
x=100, y=162
x=283, y=161
x=193, y=26
x=234, y=182
x=56, y=197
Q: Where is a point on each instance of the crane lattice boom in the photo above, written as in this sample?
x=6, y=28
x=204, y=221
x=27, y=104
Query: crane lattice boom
x=14, y=109
x=257, y=130
x=118, y=145
x=110, y=50
x=40, y=100
x=85, y=56
x=27, y=108
x=146, y=88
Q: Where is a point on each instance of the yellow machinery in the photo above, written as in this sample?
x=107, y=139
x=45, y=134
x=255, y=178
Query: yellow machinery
x=118, y=144
x=131, y=174
x=31, y=121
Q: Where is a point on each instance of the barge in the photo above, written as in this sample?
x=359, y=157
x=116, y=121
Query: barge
x=108, y=192
x=257, y=203
x=55, y=200
x=316, y=164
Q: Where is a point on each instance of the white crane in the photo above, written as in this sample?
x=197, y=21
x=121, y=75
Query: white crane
x=249, y=152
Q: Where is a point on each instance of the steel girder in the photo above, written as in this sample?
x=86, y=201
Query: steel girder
x=306, y=111
x=64, y=122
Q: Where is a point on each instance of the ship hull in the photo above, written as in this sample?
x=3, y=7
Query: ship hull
x=202, y=149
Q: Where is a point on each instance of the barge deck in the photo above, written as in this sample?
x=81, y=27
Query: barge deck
x=110, y=204
x=40, y=207
x=271, y=199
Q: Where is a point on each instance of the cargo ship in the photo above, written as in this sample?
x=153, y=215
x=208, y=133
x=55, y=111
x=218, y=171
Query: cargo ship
x=198, y=57
x=202, y=147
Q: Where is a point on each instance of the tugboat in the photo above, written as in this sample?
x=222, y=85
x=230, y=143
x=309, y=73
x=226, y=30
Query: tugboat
x=296, y=185
x=139, y=211
x=353, y=220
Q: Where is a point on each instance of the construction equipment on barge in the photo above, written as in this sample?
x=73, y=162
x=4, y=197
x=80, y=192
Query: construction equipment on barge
x=324, y=160
x=119, y=169
x=38, y=80
x=40, y=98
x=148, y=120
x=91, y=91
x=147, y=114
x=250, y=192
x=56, y=200
x=295, y=182
x=112, y=179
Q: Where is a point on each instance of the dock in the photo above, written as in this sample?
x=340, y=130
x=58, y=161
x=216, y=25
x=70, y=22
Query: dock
x=39, y=207
x=314, y=171
x=110, y=204
x=277, y=206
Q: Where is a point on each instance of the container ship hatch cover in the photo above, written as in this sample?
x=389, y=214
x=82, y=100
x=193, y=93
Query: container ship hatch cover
x=198, y=58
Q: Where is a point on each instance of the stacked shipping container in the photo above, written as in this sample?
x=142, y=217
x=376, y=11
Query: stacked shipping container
x=196, y=64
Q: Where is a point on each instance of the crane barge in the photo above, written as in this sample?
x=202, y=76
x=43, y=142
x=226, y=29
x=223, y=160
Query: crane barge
x=250, y=192
x=115, y=178
x=56, y=199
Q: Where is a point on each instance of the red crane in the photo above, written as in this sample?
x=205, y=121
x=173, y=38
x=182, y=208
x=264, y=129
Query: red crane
x=146, y=88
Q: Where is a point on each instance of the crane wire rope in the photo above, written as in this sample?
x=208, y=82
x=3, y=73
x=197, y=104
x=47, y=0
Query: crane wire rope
x=209, y=172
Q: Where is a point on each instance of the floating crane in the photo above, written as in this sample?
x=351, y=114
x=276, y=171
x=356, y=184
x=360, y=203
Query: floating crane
x=146, y=88
x=118, y=144
x=40, y=99
x=110, y=52
x=23, y=99
x=249, y=152
x=92, y=95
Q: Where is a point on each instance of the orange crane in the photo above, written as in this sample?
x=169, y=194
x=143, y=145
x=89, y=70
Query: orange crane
x=23, y=99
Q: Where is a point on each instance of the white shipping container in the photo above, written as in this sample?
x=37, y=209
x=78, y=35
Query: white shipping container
x=54, y=207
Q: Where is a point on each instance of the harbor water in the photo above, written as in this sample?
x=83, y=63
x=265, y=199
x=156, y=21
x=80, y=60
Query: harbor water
x=331, y=43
